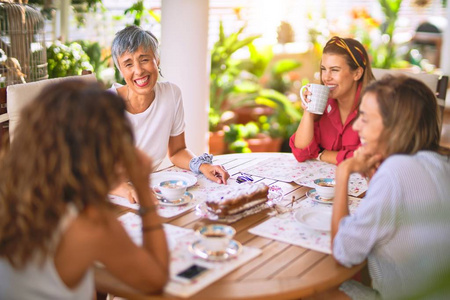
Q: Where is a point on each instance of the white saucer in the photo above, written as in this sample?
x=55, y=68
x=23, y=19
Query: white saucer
x=315, y=218
x=312, y=194
x=234, y=248
x=187, y=197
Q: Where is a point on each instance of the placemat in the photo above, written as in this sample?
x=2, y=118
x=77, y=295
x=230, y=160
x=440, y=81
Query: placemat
x=163, y=211
x=199, y=191
x=179, y=240
x=285, y=228
x=288, y=169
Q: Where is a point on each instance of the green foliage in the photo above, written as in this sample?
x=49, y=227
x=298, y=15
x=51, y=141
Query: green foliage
x=286, y=117
x=79, y=6
x=235, y=83
x=94, y=52
x=225, y=71
x=279, y=79
x=239, y=146
x=259, y=60
x=236, y=135
x=67, y=60
x=85, y=6
x=385, y=55
x=141, y=14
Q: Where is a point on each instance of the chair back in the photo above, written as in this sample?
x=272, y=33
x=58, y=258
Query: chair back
x=438, y=84
x=20, y=95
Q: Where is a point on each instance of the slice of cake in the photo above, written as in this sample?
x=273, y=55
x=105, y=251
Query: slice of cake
x=232, y=200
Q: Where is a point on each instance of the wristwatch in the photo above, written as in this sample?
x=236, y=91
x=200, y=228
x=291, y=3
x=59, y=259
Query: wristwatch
x=319, y=157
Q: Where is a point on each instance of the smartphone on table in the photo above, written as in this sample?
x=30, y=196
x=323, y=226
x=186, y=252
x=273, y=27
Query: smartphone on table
x=190, y=274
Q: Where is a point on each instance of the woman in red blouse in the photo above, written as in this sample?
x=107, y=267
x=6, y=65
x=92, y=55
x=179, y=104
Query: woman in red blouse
x=346, y=70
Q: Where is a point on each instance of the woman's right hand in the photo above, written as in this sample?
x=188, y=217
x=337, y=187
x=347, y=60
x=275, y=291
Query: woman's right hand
x=139, y=175
x=125, y=190
x=306, y=95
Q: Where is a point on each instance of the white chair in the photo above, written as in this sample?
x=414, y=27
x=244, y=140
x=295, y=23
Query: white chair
x=20, y=95
x=438, y=84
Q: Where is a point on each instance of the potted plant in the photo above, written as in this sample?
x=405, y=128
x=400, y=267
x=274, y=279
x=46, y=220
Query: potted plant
x=225, y=71
x=236, y=86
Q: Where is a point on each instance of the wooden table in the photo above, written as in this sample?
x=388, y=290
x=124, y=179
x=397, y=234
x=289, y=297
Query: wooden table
x=282, y=271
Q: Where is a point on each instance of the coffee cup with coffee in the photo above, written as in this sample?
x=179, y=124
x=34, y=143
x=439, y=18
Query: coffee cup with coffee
x=216, y=237
x=317, y=99
x=325, y=188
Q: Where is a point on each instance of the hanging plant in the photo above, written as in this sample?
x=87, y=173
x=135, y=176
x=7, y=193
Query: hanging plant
x=80, y=7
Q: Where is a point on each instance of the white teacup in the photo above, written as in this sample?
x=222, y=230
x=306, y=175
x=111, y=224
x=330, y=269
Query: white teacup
x=216, y=237
x=318, y=98
x=325, y=187
x=172, y=189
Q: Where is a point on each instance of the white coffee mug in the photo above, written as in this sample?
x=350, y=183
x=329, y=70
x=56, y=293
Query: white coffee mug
x=318, y=98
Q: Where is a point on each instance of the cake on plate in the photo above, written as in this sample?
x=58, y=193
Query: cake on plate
x=233, y=200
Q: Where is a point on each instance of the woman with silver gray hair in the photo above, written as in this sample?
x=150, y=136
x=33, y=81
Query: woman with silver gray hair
x=155, y=109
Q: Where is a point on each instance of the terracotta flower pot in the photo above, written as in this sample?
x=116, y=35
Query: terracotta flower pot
x=246, y=114
x=264, y=143
x=217, y=144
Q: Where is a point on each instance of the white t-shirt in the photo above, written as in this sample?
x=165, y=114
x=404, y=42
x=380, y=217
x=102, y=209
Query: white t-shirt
x=161, y=120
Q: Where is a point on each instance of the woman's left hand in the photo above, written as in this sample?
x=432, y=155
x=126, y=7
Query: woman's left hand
x=216, y=173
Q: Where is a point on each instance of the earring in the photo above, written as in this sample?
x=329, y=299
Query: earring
x=159, y=71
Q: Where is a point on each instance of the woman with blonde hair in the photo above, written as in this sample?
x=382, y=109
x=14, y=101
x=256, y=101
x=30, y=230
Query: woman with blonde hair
x=345, y=70
x=72, y=146
x=402, y=225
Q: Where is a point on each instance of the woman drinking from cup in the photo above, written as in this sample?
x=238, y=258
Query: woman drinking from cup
x=325, y=131
x=402, y=225
x=155, y=109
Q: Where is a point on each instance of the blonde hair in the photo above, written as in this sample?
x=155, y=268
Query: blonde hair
x=67, y=148
x=410, y=115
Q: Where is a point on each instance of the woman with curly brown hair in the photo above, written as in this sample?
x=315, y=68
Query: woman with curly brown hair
x=72, y=146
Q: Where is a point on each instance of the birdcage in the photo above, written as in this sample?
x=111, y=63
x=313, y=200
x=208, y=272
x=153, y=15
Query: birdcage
x=23, y=56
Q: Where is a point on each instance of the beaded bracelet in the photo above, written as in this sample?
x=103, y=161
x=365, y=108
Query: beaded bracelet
x=152, y=227
x=196, y=162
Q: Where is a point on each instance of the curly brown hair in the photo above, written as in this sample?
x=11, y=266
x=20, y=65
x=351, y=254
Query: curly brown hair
x=68, y=146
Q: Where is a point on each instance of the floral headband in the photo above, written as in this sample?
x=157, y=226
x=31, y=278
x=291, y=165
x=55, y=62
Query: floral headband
x=354, y=52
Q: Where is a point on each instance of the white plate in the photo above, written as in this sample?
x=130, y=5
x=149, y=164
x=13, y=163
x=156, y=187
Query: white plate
x=234, y=248
x=314, y=218
x=187, y=197
x=157, y=177
x=312, y=194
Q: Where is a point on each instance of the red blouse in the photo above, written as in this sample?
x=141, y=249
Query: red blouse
x=330, y=134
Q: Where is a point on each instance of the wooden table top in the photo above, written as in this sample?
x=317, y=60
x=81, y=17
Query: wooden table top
x=282, y=271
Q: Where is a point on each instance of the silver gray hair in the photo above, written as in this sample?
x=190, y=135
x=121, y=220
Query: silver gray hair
x=130, y=39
